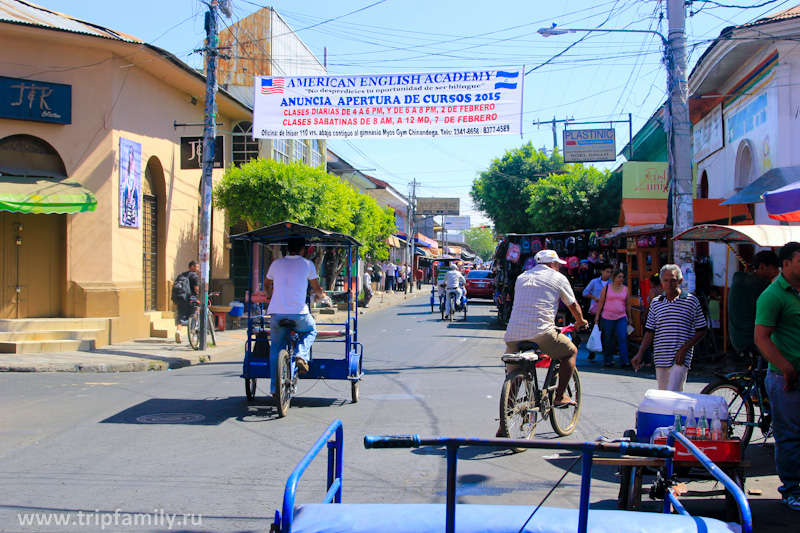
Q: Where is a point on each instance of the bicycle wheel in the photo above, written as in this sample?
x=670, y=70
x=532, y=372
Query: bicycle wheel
x=283, y=388
x=355, y=386
x=741, y=413
x=193, y=329
x=441, y=307
x=517, y=415
x=452, y=307
x=210, y=328
x=564, y=419
x=250, y=388
x=465, y=309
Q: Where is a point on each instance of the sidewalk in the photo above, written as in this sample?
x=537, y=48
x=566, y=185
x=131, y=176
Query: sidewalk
x=142, y=355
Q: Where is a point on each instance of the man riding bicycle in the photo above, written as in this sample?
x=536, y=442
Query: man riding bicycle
x=536, y=296
x=287, y=284
x=453, y=281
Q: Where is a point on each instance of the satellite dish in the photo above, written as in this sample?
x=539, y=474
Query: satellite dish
x=226, y=6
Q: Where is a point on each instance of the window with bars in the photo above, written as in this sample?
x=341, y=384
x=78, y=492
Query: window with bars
x=245, y=148
x=280, y=150
x=301, y=152
x=316, y=153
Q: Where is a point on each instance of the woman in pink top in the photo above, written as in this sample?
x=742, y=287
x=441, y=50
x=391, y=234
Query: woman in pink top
x=614, y=314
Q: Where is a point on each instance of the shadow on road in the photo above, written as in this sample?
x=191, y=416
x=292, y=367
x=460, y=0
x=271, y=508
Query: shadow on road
x=208, y=412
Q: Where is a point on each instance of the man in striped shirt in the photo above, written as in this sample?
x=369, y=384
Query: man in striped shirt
x=674, y=325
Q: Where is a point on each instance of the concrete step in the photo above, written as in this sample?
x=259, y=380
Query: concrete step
x=51, y=324
x=51, y=335
x=47, y=346
x=164, y=332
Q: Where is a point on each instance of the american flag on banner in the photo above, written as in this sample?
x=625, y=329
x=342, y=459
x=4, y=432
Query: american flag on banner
x=272, y=86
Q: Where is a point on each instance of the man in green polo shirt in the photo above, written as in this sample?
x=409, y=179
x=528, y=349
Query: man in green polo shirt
x=777, y=335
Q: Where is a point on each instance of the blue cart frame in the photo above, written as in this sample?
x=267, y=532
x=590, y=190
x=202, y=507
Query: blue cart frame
x=256, y=357
x=332, y=439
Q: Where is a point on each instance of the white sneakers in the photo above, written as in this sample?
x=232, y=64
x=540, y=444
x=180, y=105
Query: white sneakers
x=178, y=335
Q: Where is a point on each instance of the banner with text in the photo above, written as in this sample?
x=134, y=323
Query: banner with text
x=443, y=104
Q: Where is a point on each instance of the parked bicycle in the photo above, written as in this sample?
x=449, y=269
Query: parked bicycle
x=193, y=324
x=743, y=391
x=525, y=400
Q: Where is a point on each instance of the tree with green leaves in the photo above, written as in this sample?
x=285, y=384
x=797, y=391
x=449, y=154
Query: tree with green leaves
x=264, y=192
x=584, y=197
x=501, y=191
x=481, y=240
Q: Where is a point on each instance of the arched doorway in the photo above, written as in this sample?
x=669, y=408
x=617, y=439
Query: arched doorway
x=33, y=266
x=153, y=236
x=745, y=171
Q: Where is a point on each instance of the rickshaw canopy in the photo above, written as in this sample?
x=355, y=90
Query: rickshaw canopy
x=279, y=234
x=768, y=236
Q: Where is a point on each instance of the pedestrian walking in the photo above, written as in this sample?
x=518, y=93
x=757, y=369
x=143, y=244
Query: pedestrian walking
x=614, y=311
x=777, y=335
x=593, y=291
x=674, y=325
x=367, y=287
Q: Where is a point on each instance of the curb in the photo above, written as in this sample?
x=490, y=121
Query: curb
x=170, y=357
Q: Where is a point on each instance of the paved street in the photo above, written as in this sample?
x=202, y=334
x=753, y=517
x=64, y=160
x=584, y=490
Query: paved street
x=86, y=442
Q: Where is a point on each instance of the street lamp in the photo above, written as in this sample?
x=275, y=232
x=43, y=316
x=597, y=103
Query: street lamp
x=555, y=30
x=678, y=122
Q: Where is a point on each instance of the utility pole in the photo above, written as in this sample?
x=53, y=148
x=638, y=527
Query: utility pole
x=552, y=124
x=209, y=136
x=678, y=135
x=413, y=231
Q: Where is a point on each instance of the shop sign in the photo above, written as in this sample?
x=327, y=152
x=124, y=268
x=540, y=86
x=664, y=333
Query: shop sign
x=392, y=106
x=707, y=134
x=645, y=180
x=192, y=153
x=41, y=101
x=589, y=145
x=456, y=223
x=438, y=206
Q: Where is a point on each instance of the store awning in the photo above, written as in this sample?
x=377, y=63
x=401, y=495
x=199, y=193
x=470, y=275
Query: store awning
x=759, y=234
x=774, y=178
x=44, y=195
x=393, y=242
x=422, y=252
x=642, y=211
x=712, y=211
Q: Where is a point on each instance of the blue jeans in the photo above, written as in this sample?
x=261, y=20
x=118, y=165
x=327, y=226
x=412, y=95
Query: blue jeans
x=786, y=430
x=618, y=329
x=279, y=340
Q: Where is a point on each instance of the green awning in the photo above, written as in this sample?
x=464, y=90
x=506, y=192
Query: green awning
x=44, y=195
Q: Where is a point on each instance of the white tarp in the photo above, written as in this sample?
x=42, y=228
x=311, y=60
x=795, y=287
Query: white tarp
x=439, y=104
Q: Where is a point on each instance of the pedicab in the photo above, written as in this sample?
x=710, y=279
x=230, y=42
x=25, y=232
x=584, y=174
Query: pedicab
x=333, y=515
x=256, y=356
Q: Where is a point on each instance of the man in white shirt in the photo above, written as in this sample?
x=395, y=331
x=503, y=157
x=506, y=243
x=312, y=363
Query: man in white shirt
x=536, y=296
x=287, y=284
x=453, y=281
x=367, y=286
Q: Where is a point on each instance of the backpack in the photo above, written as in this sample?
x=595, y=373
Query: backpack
x=548, y=243
x=573, y=263
x=580, y=243
x=604, y=240
x=525, y=244
x=570, y=246
x=558, y=246
x=513, y=252
x=529, y=263
x=181, y=291
x=593, y=240
x=536, y=245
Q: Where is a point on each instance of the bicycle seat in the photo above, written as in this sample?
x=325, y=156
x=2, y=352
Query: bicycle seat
x=287, y=323
x=520, y=357
x=527, y=346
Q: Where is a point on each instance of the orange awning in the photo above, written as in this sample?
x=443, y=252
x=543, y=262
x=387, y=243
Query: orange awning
x=708, y=211
x=644, y=211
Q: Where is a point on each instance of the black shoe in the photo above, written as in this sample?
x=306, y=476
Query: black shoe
x=591, y=356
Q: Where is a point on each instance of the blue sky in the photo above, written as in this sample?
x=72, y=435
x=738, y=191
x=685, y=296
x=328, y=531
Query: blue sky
x=605, y=76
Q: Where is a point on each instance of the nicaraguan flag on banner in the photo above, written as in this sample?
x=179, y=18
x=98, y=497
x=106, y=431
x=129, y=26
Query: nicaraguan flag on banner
x=506, y=85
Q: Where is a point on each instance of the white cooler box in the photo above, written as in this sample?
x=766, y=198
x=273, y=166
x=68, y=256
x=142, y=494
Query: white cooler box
x=657, y=410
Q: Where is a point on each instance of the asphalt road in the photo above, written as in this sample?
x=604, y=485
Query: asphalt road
x=85, y=444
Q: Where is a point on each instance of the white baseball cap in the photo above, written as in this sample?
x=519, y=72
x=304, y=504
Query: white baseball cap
x=548, y=256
